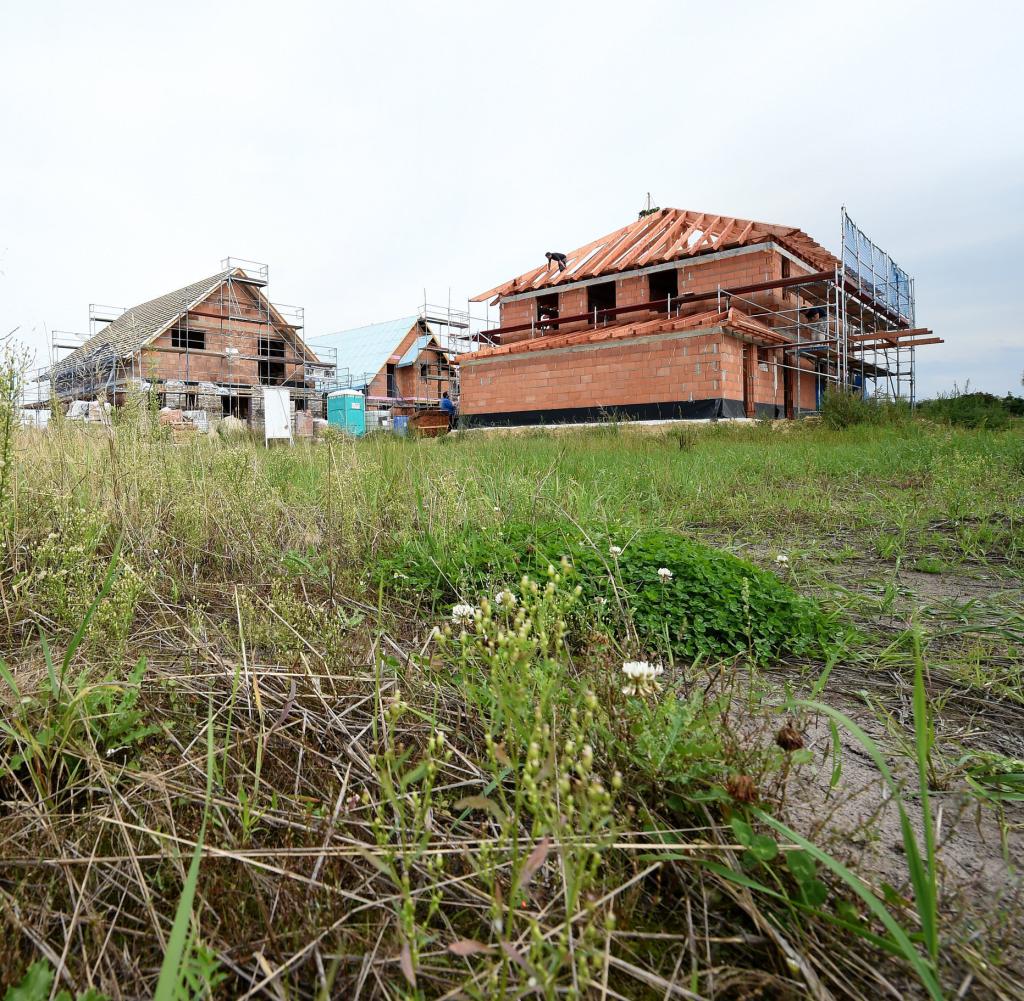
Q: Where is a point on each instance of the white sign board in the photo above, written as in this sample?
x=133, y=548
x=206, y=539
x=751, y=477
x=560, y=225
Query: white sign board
x=277, y=417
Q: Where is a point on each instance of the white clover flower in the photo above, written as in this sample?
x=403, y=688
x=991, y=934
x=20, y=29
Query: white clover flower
x=782, y=559
x=665, y=574
x=505, y=599
x=462, y=615
x=615, y=550
x=643, y=677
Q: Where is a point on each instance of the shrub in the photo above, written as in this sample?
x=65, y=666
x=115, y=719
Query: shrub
x=975, y=410
x=842, y=409
x=711, y=604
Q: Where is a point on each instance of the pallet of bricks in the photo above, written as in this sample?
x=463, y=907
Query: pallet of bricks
x=184, y=424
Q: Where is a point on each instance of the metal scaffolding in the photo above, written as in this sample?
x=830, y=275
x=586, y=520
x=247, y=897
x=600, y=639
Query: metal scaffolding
x=446, y=333
x=224, y=324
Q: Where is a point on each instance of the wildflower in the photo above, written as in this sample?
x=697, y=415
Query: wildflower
x=462, y=615
x=782, y=559
x=615, y=550
x=505, y=599
x=601, y=602
x=643, y=677
x=497, y=510
x=665, y=574
x=435, y=633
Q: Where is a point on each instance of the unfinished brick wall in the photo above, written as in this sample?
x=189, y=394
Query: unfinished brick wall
x=162, y=360
x=412, y=384
x=636, y=372
x=697, y=275
x=671, y=368
x=518, y=311
x=658, y=369
x=229, y=355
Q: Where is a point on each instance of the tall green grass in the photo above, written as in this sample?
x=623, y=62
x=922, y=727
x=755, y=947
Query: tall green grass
x=310, y=579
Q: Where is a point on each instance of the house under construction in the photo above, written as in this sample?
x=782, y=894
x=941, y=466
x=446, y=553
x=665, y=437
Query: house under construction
x=207, y=349
x=686, y=314
x=403, y=366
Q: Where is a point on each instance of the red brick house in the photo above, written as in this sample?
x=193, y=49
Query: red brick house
x=210, y=346
x=677, y=315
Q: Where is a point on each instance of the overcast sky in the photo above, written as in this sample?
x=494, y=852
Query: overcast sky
x=368, y=151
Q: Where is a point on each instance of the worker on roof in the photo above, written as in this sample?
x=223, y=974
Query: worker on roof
x=448, y=407
x=555, y=258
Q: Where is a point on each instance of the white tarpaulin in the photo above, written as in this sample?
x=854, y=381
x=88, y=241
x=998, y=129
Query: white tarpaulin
x=277, y=416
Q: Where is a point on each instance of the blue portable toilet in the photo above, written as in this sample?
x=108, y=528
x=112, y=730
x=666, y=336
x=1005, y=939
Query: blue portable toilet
x=346, y=409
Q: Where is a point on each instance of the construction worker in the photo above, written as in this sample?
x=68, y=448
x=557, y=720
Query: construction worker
x=447, y=407
x=556, y=258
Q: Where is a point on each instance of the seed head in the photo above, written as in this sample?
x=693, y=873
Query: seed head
x=789, y=738
x=741, y=788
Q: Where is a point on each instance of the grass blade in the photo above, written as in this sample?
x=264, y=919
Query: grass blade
x=922, y=875
x=170, y=970
x=924, y=970
x=927, y=902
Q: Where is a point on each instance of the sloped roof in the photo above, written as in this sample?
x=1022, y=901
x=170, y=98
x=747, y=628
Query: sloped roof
x=137, y=326
x=665, y=235
x=732, y=319
x=412, y=352
x=364, y=351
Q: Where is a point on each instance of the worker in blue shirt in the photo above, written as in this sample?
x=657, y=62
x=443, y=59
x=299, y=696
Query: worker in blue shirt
x=447, y=407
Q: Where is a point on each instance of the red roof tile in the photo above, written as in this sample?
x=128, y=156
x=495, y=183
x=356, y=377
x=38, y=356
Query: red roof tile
x=666, y=235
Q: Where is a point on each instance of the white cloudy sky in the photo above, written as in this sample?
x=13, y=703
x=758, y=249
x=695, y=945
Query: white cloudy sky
x=367, y=151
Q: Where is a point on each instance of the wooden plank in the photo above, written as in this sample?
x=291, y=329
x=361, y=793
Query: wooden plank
x=885, y=345
x=668, y=239
x=889, y=335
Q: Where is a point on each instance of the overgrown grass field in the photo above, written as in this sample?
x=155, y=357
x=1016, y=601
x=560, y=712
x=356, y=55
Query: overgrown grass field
x=719, y=712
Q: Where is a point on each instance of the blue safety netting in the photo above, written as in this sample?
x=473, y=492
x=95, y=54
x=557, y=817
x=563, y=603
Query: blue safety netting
x=874, y=272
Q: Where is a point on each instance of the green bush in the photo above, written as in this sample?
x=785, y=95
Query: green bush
x=975, y=410
x=712, y=604
x=842, y=409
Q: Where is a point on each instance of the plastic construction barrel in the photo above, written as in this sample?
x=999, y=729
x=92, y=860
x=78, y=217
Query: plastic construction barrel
x=401, y=425
x=346, y=409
